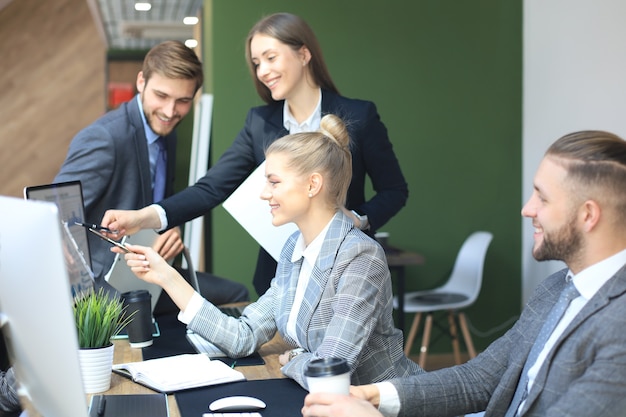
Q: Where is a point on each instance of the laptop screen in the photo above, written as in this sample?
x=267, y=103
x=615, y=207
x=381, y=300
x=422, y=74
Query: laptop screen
x=68, y=197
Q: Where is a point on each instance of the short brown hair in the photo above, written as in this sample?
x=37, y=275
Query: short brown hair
x=596, y=163
x=172, y=59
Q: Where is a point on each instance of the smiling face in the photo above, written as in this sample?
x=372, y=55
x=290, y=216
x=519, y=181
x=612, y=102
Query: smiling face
x=286, y=191
x=281, y=69
x=554, y=213
x=165, y=101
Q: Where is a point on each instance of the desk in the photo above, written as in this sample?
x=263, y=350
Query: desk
x=397, y=260
x=123, y=353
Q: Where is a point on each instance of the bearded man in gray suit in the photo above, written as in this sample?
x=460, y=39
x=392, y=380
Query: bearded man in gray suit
x=115, y=158
x=578, y=211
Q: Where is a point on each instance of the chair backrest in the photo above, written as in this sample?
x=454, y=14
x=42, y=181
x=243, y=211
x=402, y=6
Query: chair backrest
x=467, y=275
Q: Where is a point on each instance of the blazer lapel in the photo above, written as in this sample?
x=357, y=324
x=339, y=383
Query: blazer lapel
x=614, y=287
x=318, y=285
x=141, y=148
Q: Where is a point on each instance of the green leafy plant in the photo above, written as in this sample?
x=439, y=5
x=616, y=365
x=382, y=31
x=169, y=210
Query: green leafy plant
x=98, y=318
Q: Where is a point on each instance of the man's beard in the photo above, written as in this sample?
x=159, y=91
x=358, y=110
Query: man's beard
x=560, y=245
x=152, y=122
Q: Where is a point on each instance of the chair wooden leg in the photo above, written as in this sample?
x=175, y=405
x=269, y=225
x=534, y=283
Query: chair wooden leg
x=428, y=325
x=414, y=326
x=466, y=336
x=454, y=337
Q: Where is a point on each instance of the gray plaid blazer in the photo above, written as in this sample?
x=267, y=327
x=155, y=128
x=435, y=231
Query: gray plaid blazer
x=346, y=311
x=584, y=374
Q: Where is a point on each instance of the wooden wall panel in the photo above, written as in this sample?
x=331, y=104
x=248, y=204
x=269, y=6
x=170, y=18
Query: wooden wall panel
x=52, y=84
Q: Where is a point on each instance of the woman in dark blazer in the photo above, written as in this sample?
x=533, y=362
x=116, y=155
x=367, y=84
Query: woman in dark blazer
x=291, y=76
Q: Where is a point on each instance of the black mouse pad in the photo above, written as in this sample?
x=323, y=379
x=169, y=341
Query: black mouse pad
x=283, y=397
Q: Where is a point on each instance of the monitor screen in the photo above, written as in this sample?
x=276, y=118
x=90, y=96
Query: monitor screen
x=36, y=308
x=68, y=197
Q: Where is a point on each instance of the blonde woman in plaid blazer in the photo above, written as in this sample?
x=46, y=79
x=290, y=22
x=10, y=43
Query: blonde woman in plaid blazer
x=331, y=295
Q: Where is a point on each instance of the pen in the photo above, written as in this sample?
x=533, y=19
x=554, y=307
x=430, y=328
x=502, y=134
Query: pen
x=96, y=227
x=101, y=405
x=233, y=364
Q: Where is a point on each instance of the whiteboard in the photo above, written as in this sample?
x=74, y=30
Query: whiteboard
x=199, y=163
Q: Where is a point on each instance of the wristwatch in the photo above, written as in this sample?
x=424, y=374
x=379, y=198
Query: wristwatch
x=295, y=352
x=364, y=223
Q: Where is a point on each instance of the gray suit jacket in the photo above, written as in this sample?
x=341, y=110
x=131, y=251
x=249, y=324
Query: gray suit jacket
x=584, y=375
x=346, y=311
x=110, y=158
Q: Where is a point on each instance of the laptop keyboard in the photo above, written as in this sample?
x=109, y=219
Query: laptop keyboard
x=232, y=311
x=201, y=345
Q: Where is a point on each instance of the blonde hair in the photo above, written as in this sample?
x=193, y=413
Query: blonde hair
x=326, y=151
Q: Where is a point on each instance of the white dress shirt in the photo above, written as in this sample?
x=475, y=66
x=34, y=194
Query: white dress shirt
x=309, y=255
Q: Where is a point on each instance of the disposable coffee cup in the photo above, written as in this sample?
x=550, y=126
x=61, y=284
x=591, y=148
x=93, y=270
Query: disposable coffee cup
x=140, y=327
x=328, y=375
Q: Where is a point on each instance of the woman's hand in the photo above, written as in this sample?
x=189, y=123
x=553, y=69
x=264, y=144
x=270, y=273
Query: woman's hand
x=149, y=266
x=146, y=264
x=129, y=222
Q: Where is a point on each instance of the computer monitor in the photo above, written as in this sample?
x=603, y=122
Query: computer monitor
x=36, y=308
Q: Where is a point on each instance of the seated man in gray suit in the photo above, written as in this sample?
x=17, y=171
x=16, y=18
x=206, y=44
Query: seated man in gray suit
x=568, y=361
x=126, y=158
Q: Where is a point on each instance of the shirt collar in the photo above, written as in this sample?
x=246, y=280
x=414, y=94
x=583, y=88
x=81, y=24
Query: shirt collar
x=591, y=279
x=151, y=137
x=311, y=124
x=312, y=251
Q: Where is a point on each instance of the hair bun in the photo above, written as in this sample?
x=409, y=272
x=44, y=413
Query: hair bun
x=334, y=128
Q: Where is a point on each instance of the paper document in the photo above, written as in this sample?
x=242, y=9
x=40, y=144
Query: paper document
x=246, y=206
x=175, y=373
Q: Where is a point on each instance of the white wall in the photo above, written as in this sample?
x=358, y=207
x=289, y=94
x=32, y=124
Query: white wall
x=574, y=79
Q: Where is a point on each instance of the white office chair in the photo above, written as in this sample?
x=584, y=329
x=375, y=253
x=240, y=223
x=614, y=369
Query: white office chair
x=460, y=291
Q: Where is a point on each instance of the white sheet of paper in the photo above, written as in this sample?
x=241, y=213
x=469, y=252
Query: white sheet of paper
x=253, y=214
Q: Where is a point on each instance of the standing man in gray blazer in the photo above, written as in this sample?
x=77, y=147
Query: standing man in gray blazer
x=115, y=158
x=578, y=211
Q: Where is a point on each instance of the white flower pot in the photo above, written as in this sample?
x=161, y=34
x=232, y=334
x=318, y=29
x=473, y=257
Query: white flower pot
x=96, y=365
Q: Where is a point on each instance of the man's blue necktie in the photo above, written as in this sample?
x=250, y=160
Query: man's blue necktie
x=567, y=295
x=160, y=172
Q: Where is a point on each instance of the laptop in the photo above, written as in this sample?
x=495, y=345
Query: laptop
x=68, y=197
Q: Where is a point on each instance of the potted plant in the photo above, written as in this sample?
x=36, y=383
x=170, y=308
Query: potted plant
x=98, y=317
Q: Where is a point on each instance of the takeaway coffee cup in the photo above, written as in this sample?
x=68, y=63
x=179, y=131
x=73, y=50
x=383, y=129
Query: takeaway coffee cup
x=140, y=327
x=328, y=375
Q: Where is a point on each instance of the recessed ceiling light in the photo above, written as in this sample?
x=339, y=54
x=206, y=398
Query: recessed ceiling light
x=143, y=7
x=190, y=20
x=191, y=43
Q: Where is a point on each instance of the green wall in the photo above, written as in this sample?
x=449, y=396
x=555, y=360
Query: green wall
x=446, y=76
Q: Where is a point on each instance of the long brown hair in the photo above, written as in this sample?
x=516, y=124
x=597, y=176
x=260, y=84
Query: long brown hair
x=296, y=33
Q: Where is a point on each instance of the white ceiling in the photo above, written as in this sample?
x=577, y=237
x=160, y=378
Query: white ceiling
x=126, y=28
